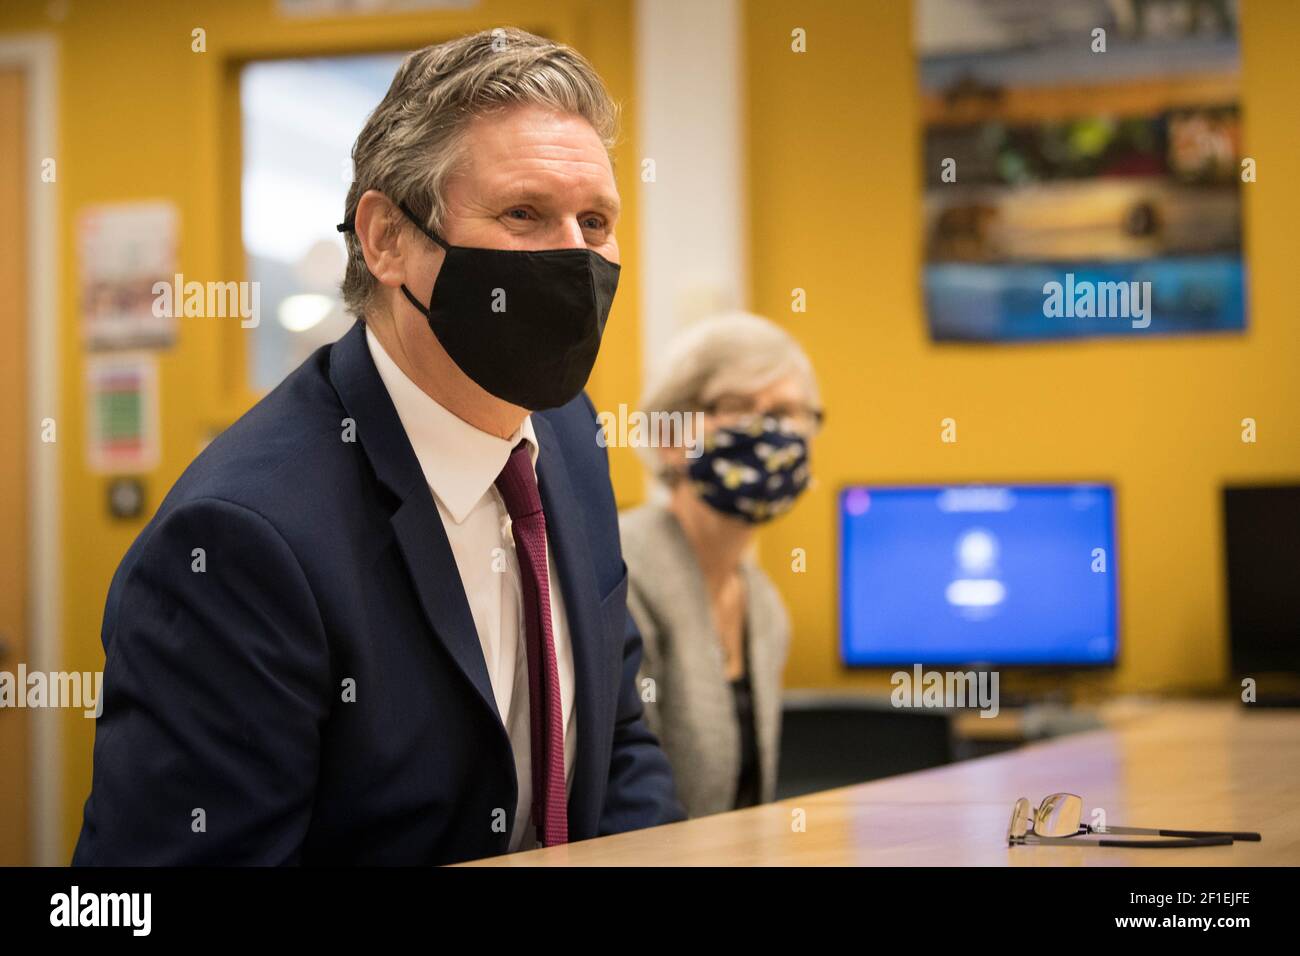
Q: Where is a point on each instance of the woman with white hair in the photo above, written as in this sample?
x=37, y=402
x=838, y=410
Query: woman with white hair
x=714, y=628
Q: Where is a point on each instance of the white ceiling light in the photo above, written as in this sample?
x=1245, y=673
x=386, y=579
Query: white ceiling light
x=304, y=311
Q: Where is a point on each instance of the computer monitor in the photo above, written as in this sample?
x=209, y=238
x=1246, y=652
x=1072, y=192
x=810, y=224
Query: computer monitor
x=1015, y=575
x=1262, y=546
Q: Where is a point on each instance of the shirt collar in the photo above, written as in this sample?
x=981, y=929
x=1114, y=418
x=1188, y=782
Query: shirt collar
x=460, y=462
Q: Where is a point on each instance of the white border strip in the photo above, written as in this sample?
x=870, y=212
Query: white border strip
x=691, y=119
x=37, y=55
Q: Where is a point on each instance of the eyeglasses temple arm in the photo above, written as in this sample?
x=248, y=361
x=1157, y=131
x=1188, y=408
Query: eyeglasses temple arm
x=1220, y=840
x=1149, y=831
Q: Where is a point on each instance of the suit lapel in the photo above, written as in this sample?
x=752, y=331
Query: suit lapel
x=423, y=542
x=421, y=538
x=566, y=533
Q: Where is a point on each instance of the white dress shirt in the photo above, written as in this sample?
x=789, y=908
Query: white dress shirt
x=461, y=465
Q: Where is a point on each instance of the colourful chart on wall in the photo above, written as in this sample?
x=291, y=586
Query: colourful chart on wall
x=122, y=416
x=123, y=251
x=1083, y=168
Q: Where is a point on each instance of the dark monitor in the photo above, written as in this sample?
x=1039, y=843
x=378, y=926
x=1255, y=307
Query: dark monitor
x=1262, y=549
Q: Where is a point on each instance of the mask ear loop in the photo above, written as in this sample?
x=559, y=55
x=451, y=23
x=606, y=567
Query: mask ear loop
x=421, y=226
x=419, y=307
x=349, y=225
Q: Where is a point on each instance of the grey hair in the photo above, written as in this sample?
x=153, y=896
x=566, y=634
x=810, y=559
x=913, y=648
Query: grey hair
x=411, y=143
x=729, y=353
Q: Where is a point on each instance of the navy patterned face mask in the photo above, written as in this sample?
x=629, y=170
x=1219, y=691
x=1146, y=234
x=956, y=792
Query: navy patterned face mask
x=753, y=471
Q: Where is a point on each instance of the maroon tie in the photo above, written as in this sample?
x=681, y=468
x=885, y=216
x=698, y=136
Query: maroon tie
x=518, y=486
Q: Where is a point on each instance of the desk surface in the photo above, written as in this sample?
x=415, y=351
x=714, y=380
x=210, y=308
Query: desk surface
x=1175, y=765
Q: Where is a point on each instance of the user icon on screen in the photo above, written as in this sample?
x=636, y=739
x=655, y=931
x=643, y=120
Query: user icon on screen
x=976, y=590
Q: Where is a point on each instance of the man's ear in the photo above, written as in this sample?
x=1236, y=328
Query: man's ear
x=379, y=231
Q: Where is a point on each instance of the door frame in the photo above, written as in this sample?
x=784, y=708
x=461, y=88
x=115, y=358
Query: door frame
x=36, y=54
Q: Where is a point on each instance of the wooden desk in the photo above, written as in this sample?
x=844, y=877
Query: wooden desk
x=1191, y=765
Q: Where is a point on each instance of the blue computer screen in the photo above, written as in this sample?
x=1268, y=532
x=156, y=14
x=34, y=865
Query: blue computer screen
x=1008, y=574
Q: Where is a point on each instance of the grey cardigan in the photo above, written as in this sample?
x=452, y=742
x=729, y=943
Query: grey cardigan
x=693, y=711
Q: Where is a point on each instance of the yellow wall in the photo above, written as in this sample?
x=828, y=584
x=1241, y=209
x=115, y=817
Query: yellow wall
x=834, y=188
x=835, y=209
x=142, y=116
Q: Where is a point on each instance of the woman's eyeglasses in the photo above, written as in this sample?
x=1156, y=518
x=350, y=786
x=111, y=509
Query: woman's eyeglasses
x=1058, y=821
x=740, y=413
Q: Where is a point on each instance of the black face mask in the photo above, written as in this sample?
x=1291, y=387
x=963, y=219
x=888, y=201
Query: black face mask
x=526, y=326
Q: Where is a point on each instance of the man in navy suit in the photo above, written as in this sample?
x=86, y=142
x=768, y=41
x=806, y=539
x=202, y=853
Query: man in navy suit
x=382, y=618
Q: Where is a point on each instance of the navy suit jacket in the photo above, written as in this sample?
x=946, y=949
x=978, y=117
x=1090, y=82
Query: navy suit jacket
x=301, y=556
